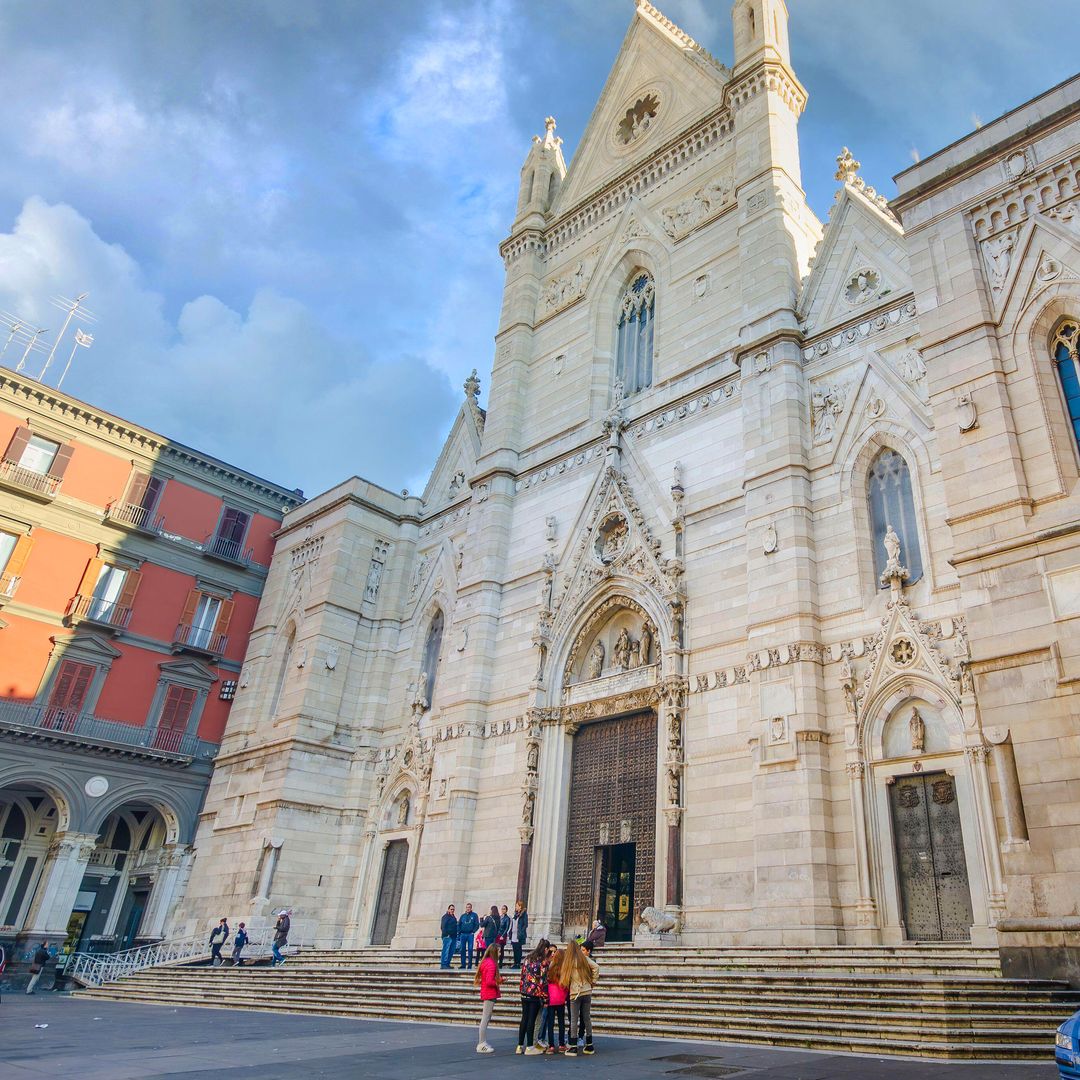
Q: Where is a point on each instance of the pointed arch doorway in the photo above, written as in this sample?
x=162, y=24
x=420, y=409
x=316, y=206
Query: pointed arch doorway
x=391, y=887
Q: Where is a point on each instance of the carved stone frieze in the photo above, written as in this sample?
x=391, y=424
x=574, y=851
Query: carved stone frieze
x=1037, y=191
x=696, y=406
x=827, y=403
x=863, y=331
x=704, y=204
x=563, y=289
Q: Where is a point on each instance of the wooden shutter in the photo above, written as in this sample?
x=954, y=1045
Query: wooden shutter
x=176, y=711
x=61, y=461
x=154, y=486
x=71, y=686
x=19, y=554
x=136, y=487
x=131, y=586
x=224, y=616
x=19, y=442
x=233, y=525
x=90, y=576
x=187, y=617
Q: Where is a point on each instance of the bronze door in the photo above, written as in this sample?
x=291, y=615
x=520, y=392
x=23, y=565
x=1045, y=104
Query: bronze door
x=930, y=858
x=390, y=887
x=612, y=802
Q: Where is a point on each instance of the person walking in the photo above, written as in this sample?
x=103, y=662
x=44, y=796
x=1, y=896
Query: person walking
x=487, y=977
x=519, y=928
x=491, y=927
x=449, y=931
x=556, y=1006
x=578, y=973
x=468, y=924
x=37, y=966
x=504, y=933
x=533, y=996
x=240, y=939
x=218, y=936
x=281, y=936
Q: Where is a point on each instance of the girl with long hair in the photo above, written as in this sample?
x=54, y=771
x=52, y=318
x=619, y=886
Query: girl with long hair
x=556, y=1006
x=534, y=989
x=487, y=977
x=578, y=974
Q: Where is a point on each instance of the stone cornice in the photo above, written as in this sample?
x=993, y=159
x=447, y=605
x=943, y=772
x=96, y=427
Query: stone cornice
x=859, y=330
x=770, y=76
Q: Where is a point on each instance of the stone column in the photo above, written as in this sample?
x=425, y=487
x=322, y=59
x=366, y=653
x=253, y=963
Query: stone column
x=674, y=772
x=552, y=813
x=673, y=887
x=1012, y=801
x=174, y=863
x=58, y=885
x=524, y=864
x=866, y=905
x=978, y=756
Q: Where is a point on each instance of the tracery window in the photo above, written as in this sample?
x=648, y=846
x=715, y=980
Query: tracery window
x=1067, y=361
x=634, y=352
x=432, y=648
x=888, y=492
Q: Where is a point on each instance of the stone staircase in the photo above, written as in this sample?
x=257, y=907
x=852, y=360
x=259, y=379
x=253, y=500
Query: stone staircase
x=943, y=1001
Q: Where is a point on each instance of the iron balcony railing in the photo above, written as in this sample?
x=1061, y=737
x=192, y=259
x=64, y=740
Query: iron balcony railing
x=103, y=612
x=27, y=480
x=88, y=730
x=228, y=550
x=138, y=517
x=8, y=584
x=200, y=638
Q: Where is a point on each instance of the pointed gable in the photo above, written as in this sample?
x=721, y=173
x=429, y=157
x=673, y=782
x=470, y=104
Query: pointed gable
x=449, y=480
x=662, y=80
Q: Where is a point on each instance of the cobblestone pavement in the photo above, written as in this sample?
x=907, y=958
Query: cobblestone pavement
x=101, y=1040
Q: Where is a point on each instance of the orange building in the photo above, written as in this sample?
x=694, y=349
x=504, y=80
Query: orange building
x=131, y=568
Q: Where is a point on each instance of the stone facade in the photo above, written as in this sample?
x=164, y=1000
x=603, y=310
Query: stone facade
x=705, y=548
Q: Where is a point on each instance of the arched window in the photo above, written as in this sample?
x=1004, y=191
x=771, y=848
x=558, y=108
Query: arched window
x=432, y=648
x=1064, y=348
x=283, y=674
x=634, y=352
x=888, y=491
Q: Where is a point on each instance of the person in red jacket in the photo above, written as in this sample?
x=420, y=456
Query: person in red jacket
x=487, y=977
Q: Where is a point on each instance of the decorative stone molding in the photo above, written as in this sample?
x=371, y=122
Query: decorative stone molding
x=683, y=38
x=862, y=331
x=726, y=391
x=1035, y=192
x=769, y=77
x=997, y=255
x=703, y=205
x=574, y=461
x=827, y=403
x=564, y=289
x=446, y=519
x=847, y=172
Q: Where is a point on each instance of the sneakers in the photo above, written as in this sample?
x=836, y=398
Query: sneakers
x=484, y=1048
x=588, y=1049
x=550, y=1050
x=520, y=1050
x=571, y=1051
x=533, y=1050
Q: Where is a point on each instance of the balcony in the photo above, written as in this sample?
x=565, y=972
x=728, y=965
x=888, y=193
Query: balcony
x=27, y=482
x=42, y=723
x=104, y=613
x=8, y=584
x=134, y=517
x=228, y=551
x=199, y=639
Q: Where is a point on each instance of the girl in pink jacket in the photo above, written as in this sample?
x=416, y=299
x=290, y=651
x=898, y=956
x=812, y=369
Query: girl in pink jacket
x=487, y=977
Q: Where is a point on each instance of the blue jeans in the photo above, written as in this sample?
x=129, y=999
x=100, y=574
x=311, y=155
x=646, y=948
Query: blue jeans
x=276, y=950
x=466, y=946
x=448, y=943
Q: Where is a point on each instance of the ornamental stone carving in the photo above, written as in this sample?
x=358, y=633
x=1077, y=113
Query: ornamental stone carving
x=657, y=921
x=998, y=255
x=863, y=286
x=563, y=289
x=826, y=406
x=638, y=119
x=704, y=203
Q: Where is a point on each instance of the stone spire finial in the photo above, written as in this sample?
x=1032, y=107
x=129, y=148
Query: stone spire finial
x=472, y=387
x=847, y=168
x=550, y=138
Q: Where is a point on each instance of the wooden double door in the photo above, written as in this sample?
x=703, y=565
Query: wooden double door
x=391, y=885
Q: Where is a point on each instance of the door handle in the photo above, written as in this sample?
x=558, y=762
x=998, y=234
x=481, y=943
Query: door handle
x=945, y=873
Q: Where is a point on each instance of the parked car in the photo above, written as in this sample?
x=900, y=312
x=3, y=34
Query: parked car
x=1067, y=1050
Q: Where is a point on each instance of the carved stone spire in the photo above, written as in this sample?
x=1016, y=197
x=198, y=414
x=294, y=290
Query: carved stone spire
x=472, y=387
x=847, y=168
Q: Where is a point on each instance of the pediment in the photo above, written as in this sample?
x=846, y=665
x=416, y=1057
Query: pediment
x=662, y=81
x=449, y=480
x=434, y=574
x=1043, y=251
x=92, y=648
x=188, y=670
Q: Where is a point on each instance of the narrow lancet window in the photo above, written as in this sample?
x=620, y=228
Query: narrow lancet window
x=888, y=491
x=634, y=352
x=1066, y=359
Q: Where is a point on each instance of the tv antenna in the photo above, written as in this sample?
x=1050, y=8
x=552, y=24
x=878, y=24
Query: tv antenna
x=71, y=307
x=21, y=331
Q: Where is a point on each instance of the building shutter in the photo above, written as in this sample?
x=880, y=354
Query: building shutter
x=233, y=525
x=224, y=616
x=90, y=577
x=19, y=442
x=61, y=461
x=187, y=617
x=131, y=585
x=19, y=554
x=136, y=487
x=71, y=686
x=176, y=711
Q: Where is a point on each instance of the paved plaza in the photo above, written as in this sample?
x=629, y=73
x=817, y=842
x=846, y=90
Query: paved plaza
x=97, y=1040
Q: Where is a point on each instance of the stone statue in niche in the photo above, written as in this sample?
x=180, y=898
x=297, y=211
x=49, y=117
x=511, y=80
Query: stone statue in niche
x=621, y=652
x=646, y=643
x=403, y=810
x=673, y=787
x=893, y=568
x=635, y=653
x=917, y=729
x=532, y=757
x=612, y=539
x=596, y=660
x=527, y=808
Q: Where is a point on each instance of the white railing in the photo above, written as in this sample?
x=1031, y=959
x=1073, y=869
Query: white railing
x=94, y=969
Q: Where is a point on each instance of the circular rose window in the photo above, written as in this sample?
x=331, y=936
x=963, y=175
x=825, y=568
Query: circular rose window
x=638, y=119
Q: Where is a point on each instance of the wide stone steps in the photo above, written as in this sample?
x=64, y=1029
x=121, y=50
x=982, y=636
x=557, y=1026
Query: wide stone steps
x=971, y=1014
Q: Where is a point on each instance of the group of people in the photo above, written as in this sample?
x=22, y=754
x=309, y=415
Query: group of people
x=470, y=936
x=219, y=937
x=550, y=978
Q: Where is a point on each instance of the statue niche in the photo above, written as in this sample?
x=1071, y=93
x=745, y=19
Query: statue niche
x=914, y=727
x=623, y=641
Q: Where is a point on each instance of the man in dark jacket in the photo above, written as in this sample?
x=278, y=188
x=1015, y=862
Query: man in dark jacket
x=449, y=931
x=468, y=924
x=281, y=936
x=37, y=966
x=240, y=939
x=218, y=936
x=519, y=931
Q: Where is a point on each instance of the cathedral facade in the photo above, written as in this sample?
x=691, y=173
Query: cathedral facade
x=751, y=598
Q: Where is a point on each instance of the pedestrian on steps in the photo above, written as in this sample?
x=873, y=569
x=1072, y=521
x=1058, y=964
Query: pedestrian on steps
x=449, y=931
x=504, y=933
x=468, y=924
x=534, y=991
x=487, y=977
x=519, y=927
x=491, y=927
x=240, y=939
x=37, y=966
x=218, y=936
x=556, y=1006
x=579, y=974
x=281, y=936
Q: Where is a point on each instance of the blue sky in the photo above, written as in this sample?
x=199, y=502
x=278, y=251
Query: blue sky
x=287, y=213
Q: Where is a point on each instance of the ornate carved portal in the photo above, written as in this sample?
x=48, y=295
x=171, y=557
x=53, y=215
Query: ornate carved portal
x=612, y=806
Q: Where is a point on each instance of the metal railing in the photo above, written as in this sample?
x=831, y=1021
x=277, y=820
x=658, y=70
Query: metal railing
x=89, y=730
x=8, y=584
x=201, y=638
x=104, y=612
x=28, y=480
x=138, y=517
x=94, y=969
x=229, y=550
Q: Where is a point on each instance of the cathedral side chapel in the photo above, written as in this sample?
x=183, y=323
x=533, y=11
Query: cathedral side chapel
x=746, y=611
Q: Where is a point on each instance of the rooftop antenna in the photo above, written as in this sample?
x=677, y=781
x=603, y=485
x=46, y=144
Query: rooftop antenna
x=70, y=306
x=31, y=346
x=81, y=338
x=21, y=331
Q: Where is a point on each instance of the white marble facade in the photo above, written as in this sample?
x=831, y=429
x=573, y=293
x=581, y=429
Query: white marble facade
x=702, y=547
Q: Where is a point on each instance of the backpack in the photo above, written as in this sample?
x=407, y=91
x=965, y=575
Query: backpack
x=534, y=979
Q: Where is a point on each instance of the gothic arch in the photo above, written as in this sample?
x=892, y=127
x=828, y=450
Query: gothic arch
x=891, y=696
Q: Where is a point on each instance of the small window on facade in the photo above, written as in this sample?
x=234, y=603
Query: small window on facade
x=888, y=491
x=432, y=648
x=38, y=455
x=231, y=530
x=144, y=491
x=204, y=621
x=1066, y=359
x=634, y=346
x=108, y=590
x=7, y=547
x=71, y=687
x=175, y=715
